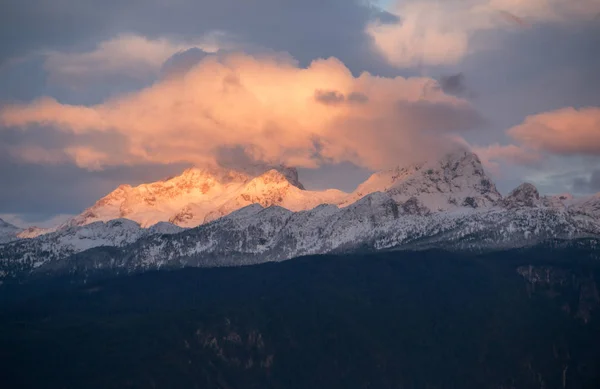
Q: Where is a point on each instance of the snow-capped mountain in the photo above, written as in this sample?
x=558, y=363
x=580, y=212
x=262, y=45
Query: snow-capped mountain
x=455, y=181
x=34, y=232
x=31, y=253
x=449, y=203
x=201, y=195
x=588, y=206
x=376, y=222
x=8, y=232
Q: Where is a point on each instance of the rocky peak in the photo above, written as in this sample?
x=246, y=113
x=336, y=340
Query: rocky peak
x=455, y=180
x=525, y=195
x=4, y=224
x=8, y=232
x=291, y=174
x=272, y=177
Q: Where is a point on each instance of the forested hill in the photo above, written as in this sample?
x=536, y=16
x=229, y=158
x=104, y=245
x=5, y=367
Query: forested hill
x=433, y=319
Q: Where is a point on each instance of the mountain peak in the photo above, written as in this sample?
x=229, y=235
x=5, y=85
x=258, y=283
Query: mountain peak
x=8, y=232
x=4, y=224
x=453, y=181
x=276, y=177
x=291, y=173
x=525, y=195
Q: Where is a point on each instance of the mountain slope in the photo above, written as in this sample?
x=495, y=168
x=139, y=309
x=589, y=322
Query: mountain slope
x=28, y=254
x=255, y=235
x=200, y=195
x=431, y=319
x=8, y=232
x=448, y=204
x=457, y=180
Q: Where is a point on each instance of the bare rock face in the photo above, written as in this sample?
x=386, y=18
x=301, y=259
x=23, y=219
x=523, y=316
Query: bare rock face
x=413, y=206
x=291, y=174
x=525, y=195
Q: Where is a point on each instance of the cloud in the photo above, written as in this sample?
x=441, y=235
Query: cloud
x=454, y=84
x=589, y=184
x=329, y=97
x=267, y=106
x=28, y=221
x=308, y=29
x=494, y=155
x=441, y=32
x=37, y=191
x=126, y=55
x=567, y=131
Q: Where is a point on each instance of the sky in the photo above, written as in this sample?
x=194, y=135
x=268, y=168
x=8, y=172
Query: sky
x=97, y=94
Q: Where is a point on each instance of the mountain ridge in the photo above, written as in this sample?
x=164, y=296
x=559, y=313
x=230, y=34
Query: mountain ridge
x=449, y=203
x=199, y=196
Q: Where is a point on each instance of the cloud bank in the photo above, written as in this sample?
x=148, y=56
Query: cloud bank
x=126, y=55
x=266, y=106
x=439, y=32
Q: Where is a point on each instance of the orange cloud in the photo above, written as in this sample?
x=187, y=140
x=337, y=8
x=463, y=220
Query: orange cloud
x=567, y=131
x=272, y=109
x=491, y=156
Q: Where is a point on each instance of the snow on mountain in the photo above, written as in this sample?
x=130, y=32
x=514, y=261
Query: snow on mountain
x=589, y=206
x=525, y=195
x=34, y=232
x=164, y=228
x=151, y=203
x=275, y=188
x=201, y=195
x=455, y=181
x=32, y=253
x=449, y=204
x=375, y=222
x=8, y=232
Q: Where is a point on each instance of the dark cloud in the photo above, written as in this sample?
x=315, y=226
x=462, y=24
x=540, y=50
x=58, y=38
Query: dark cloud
x=454, y=84
x=329, y=97
x=357, y=97
x=182, y=62
x=344, y=176
x=332, y=97
x=439, y=118
x=385, y=17
x=590, y=184
x=307, y=29
x=539, y=69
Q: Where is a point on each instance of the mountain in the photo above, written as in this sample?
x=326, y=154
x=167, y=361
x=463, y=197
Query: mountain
x=27, y=254
x=526, y=318
x=588, y=206
x=448, y=204
x=34, y=232
x=455, y=181
x=8, y=232
x=376, y=222
x=201, y=195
